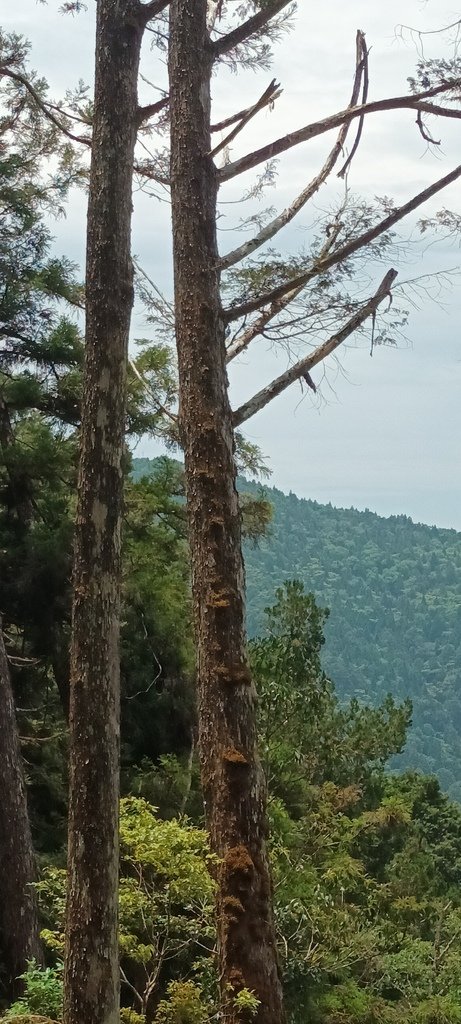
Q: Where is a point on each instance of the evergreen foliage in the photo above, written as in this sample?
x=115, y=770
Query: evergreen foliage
x=393, y=588
x=367, y=867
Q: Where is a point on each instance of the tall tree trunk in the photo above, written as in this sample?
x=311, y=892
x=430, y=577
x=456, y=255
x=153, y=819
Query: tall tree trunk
x=91, y=984
x=19, y=928
x=233, y=782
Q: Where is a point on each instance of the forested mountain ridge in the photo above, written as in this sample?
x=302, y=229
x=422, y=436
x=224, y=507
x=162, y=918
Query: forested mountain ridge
x=393, y=588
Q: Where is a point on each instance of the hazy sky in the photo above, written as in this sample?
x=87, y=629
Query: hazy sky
x=386, y=432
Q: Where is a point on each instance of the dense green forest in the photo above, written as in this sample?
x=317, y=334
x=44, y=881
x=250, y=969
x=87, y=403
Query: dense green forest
x=366, y=864
x=393, y=589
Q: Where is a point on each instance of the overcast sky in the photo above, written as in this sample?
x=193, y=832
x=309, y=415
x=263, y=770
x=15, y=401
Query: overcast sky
x=385, y=434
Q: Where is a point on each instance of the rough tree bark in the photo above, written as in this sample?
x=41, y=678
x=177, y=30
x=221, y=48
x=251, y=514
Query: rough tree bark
x=233, y=782
x=19, y=928
x=91, y=984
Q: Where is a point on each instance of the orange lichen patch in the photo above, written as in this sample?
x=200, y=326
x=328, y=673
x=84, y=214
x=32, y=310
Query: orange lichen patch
x=233, y=756
x=208, y=424
x=238, y=861
x=233, y=904
x=242, y=675
x=236, y=979
x=219, y=599
x=235, y=675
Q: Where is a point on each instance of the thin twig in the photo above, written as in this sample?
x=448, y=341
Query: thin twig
x=270, y=95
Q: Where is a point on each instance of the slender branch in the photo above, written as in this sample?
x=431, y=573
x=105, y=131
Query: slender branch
x=302, y=368
x=259, y=325
x=362, y=50
x=425, y=133
x=134, y=990
x=152, y=9
x=287, y=215
x=228, y=121
x=311, y=131
x=22, y=80
x=429, y=32
x=72, y=117
x=320, y=266
x=161, y=408
x=167, y=307
x=144, y=113
x=148, y=172
x=271, y=94
x=248, y=28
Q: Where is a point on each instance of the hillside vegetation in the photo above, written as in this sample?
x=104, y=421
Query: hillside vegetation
x=393, y=588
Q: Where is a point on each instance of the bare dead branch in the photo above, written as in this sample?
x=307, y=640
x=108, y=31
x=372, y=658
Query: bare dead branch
x=166, y=307
x=320, y=266
x=362, y=56
x=270, y=95
x=220, y=126
x=248, y=28
x=287, y=215
x=311, y=131
x=425, y=132
x=303, y=367
x=258, y=326
x=429, y=32
x=437, y=111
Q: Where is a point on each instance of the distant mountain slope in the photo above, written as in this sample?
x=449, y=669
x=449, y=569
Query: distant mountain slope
x=394, y=591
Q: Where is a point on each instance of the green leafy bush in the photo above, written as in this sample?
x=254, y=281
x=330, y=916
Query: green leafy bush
x=42, y=993
x=183, y=1005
